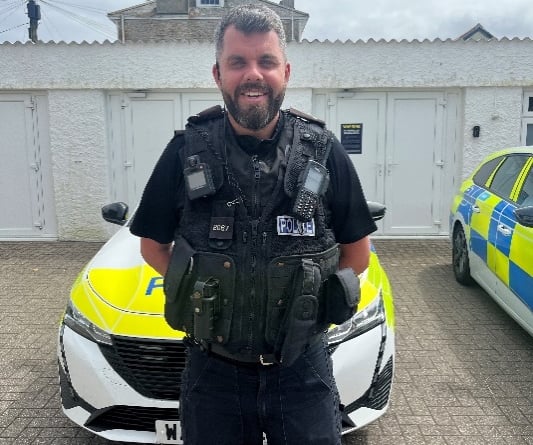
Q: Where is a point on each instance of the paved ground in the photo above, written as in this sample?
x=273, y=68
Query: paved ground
x=464, y=370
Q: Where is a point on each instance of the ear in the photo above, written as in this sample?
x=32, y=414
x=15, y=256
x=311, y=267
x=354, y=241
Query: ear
x=287, y=71
x=216, y=74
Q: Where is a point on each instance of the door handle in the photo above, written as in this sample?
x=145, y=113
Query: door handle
x=475, y=209
x=389, y=167
x=504, y=230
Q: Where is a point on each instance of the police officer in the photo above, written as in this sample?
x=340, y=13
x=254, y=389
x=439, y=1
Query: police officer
x=247, y=214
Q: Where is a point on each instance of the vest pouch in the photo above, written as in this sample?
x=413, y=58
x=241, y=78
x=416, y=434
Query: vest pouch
x=217, y=272
x=299, y=328
x=282, y=279
x=341, y=297
x=300, y=320
x=177, y=284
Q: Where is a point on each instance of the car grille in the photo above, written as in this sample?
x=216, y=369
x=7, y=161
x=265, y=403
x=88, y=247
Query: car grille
x=136, y=418
x=151, y=367
x=378, y=395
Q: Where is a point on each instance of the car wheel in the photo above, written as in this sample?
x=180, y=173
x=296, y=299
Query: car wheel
x=461, y=263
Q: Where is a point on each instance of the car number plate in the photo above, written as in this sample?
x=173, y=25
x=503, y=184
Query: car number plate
x=168, y=432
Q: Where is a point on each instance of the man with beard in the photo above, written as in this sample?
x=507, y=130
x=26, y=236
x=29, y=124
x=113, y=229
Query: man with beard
x=249, y=214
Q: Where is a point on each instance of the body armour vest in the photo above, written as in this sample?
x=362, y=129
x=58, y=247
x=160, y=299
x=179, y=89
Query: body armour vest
x=247, y=250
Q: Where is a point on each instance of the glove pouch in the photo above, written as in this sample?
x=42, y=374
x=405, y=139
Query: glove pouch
x=342, y=295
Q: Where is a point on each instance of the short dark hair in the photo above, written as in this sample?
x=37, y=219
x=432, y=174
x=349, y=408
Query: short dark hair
x=250, y=19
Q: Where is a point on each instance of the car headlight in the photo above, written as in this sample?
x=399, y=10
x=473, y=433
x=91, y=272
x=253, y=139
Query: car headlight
x=76, y=321
x=371, y=316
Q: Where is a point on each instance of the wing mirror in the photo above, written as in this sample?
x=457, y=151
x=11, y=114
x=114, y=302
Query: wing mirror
x=377, y=210
x=115, y=213
x=524, y=216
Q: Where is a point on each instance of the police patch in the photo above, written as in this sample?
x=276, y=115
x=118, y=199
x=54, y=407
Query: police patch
x=288, y=225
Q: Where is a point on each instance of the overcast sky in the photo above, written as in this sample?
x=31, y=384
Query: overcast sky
x=78, y=20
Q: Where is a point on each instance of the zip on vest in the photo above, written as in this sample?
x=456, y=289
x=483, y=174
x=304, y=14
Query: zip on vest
x=255, y=222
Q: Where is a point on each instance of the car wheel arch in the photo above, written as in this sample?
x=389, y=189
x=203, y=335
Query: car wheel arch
x=460, y=255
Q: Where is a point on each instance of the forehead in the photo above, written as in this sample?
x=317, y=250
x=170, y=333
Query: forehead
x=237, y=43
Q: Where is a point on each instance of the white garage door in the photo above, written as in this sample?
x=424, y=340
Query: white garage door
x=26, y=198
x=406, y=155
x=141, y=125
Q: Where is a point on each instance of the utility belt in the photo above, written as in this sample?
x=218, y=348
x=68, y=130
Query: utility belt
x=306, y=293
x=244, y=360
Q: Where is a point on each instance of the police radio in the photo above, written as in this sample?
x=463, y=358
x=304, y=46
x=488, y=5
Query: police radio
x=198, y=178
x=312, y=183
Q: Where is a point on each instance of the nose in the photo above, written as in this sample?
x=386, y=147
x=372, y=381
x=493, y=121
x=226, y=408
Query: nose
x=253, y=73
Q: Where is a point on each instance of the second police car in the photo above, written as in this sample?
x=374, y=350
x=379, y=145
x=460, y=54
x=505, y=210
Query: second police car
x=492, y=231
x=120, y=363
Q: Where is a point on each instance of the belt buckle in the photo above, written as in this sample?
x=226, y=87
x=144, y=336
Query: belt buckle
x=263, y=361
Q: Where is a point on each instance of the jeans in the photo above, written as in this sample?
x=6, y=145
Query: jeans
x=228, y=404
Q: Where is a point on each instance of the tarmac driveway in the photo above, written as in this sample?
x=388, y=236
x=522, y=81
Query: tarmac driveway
x=464, y=369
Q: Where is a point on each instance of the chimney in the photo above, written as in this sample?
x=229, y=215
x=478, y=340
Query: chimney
x=287, y=3
x=172, y=6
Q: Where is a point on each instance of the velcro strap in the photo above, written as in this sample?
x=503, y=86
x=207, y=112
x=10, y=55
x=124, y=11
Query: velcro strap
x=308, y=284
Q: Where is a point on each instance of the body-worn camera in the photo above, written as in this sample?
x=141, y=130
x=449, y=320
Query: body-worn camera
x=312, y=183
x=205, y=306
x=198, y=178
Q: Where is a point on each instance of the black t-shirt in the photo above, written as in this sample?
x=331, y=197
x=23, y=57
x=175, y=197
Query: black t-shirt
x=158, y=213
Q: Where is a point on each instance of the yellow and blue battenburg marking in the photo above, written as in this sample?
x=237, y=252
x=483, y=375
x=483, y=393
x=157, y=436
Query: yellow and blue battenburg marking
x=510, y=254
x=130, y=301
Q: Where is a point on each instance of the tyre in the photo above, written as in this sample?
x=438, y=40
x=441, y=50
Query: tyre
x=460, y=261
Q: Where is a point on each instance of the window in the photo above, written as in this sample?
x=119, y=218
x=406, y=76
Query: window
x=527, y=109
x=525, y=197
x=484, y=172
x=507, y=174
x=527, y=119
x=209, y=3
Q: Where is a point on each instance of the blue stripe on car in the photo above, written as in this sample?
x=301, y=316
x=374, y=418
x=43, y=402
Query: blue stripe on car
x=521, y=283
x=479, y=244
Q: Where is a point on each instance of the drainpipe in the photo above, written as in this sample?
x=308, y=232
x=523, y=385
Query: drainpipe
x=123, y=32
x=292, y=26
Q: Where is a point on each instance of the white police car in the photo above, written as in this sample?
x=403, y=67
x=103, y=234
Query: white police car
x=120, y=363
x=492, y=231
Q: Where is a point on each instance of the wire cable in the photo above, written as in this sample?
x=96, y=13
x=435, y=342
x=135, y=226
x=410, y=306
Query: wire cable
x=9, y=10
x=95, y=26
x=14, y=27
x=78, y=6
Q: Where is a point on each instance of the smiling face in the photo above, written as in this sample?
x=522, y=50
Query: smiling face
x=252, y=74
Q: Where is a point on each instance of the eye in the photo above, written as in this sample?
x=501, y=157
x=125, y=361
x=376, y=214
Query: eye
x=269, y=62
x=236, y=63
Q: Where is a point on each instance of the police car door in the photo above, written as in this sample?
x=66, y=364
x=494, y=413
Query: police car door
x=502, y=231
x=481, y=222
x=520, y=276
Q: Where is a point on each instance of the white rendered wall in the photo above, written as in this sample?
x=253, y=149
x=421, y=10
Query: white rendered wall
x=498, y=113
x=77, y=78
x=79, y=162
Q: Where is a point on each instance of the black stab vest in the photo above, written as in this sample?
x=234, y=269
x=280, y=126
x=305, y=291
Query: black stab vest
x=254, y=264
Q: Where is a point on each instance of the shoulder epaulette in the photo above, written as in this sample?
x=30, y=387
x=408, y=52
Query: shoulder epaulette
x=206, y=115
x=177, y=134
x=306, y=117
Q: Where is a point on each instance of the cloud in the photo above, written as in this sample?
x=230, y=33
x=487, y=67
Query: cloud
x=329, y=19
x=414, y=19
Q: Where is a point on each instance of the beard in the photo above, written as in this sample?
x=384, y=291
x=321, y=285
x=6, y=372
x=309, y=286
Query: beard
x=254, y=117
